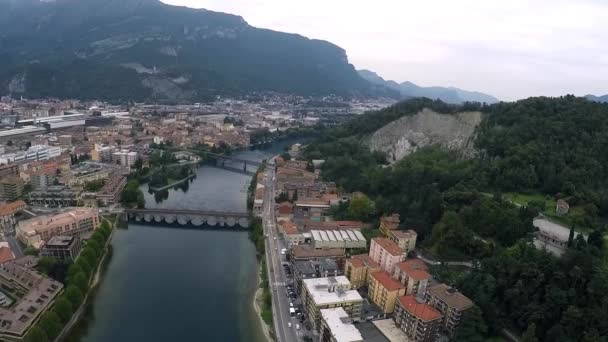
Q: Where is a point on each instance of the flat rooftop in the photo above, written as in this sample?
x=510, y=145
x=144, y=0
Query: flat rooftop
x=341, y=326
x=331, y=290
x=391, y=331
x=60, y=241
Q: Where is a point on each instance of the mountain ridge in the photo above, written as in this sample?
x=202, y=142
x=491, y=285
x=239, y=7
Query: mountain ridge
x=409, y=89
x=90, y=48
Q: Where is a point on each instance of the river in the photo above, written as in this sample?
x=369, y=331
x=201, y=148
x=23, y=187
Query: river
x=166, y=283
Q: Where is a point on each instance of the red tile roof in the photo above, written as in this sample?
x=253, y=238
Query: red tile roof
x=354, y=224
x=11, y=208
x=289, y=227
x=387, y=282
x=418, y=309
x=365, y=260
x=415, y=268
x=389, y=246
x=6, y=254
x=285, y=208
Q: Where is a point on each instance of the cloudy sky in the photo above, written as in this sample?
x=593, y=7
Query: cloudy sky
x=510, y=49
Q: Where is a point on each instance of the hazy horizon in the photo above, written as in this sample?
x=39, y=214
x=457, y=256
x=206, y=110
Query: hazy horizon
x=510, y=49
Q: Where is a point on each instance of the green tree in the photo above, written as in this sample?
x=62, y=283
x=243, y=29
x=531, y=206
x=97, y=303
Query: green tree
x=84, y=266
x=361, y=208
x=74, y=295
x=80, y=281
x=36, y=334
x=473, y=328
x=46, y=264
x=51, y=324
x=571, y=236
x=63, y=308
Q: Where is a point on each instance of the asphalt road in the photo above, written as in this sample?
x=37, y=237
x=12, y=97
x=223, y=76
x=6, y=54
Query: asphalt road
x=276, y=275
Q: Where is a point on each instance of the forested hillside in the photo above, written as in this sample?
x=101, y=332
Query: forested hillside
x=543, y=147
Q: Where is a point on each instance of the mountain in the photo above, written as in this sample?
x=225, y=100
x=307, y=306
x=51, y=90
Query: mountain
x=144, y=49
x=448, y=95
x=594, y=98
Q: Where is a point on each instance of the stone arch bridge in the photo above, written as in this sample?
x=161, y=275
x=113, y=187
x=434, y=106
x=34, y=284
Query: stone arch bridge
x=189, y=217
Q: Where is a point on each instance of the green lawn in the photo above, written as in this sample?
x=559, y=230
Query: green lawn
x=524, y=199
x=574, y=217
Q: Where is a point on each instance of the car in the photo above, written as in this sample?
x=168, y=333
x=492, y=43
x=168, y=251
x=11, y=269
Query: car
x=275, y=237
x=289, y=324
x=297, y=327
x=291, y=304
x=276, y=249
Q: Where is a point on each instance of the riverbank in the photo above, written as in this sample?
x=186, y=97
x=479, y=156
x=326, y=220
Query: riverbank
x=154, y=189
x=95, y=281
x=258, y=303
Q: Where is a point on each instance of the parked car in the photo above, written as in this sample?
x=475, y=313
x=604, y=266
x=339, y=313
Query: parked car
x=297, y=327
x=289, y=324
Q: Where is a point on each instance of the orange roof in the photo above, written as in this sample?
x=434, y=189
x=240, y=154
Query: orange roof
x=356, y=262
x=415, y=268
x=387, y=282
x=6, y=254
x=364, y=260
x=11, y=208
x=418, y=309
x=388, y=245
x=289, y=227
x=349, y=224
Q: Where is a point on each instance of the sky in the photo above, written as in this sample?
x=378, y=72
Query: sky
x=510, y=49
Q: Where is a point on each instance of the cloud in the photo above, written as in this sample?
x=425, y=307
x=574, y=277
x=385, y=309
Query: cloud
x=511, y=49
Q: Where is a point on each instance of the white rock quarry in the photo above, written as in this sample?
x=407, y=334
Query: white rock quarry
x=409, y=133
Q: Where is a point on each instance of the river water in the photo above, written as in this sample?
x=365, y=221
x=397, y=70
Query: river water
x=166, y=283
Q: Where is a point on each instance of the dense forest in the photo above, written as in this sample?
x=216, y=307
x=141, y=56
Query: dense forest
x=549, y=147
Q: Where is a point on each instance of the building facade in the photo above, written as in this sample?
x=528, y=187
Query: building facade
x=358, y=268
x=11, y=188
x=384, y=291
x=450, y=303
x=413, y=274
x=331, y=292
x=418, y=320
x=337, y=326
x=34, y=232
x=386, y=253
x=64, y=248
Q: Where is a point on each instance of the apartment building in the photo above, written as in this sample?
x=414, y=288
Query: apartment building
x=358, y=268
x=11, y=188
x=383, y=291
x=405, y=239
x=7, y=215
x=388, y=224
x=414, y=275
x=34, y=232
x=330, y=292
x=110, y=193
x=450, y=303
x=307, y=269
x=418, y=320
x=64, y=248
x=337, y=326
x=386, y=253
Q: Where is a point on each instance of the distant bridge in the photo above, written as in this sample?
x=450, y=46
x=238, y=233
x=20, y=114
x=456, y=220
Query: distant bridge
x=222, y=158
x=189, y=217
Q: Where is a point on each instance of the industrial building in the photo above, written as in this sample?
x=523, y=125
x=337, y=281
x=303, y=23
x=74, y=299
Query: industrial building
x=347, y=239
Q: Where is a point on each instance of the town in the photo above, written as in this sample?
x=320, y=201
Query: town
x=339, y=284
x=68, y=168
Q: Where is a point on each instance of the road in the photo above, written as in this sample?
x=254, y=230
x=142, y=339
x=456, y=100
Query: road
x=277, y=278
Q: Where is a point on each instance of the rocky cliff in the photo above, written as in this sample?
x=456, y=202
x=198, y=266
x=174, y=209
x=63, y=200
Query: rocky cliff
x=405, y=135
